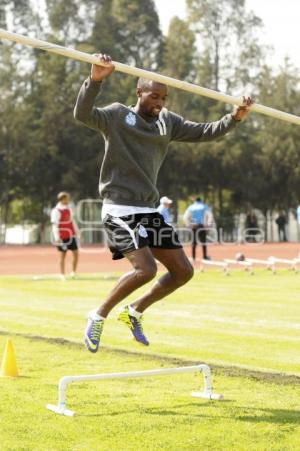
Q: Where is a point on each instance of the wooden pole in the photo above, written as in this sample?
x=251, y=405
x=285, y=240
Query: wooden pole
x=131, y=70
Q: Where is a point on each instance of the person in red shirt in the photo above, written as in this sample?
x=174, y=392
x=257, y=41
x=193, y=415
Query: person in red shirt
x=65, y=232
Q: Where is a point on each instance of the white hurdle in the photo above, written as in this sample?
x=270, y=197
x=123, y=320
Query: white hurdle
x=207, y=393
x=215, y=263
x=247, y=265
x=269, y=264
x=293, y=264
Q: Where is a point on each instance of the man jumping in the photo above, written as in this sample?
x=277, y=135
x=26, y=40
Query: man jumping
x=136, y=142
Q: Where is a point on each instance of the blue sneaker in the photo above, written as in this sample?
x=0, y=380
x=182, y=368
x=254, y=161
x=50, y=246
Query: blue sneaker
x=134, y=324
x=93, y=332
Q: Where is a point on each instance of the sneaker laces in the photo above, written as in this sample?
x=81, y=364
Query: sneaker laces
x=96, y=329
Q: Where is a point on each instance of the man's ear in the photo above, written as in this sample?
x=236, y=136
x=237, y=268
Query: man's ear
x=138, y=92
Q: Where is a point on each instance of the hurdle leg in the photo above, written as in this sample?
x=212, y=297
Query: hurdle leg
x=271, y=267
x=249, y=269
x=207, y=393
x=226, y=270
x=295, y=268
x=60, y=408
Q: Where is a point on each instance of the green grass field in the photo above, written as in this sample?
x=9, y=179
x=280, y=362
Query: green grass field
x=246, y=327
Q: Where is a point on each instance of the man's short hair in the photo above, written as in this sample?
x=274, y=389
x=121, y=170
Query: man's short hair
x=62, y=195
x=143, y=83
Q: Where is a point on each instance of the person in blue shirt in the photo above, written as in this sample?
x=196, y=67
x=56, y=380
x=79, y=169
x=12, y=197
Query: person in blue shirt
x=198, y=216
x=163, y=208
x=298, y=215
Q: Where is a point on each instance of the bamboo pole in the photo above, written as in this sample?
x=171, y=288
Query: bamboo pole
x=131, y=70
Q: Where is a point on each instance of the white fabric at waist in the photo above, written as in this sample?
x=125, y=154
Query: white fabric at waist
x=124, y=210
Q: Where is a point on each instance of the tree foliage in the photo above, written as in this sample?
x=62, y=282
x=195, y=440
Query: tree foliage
x=43, y=150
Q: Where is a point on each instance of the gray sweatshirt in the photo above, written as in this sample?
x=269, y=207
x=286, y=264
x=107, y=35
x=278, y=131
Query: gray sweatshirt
x=135, y=148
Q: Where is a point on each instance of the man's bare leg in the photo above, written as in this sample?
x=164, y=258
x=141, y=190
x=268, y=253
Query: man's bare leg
x=144, y=270
x=180, y=271
x=75, y=261
x=62, y=263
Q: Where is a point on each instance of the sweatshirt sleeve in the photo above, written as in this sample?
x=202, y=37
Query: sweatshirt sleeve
x=187, y=131
x=187, y=217
x=86, y=112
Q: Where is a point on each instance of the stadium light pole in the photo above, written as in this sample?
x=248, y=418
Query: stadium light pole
x=131, y=70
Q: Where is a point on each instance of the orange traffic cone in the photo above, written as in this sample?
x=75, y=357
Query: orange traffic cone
x=9, y=364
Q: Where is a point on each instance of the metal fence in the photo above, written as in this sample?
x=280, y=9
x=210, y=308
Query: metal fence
x=87, y=214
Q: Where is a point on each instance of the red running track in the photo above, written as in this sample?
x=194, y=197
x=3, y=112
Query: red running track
x=93, y=259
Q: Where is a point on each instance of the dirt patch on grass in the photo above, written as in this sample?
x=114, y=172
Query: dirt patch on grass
x=231, y=371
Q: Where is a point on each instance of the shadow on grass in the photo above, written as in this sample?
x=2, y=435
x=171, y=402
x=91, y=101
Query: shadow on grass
x=158, y=410
x=252, y=415
x=147, y=410
x=275, y=416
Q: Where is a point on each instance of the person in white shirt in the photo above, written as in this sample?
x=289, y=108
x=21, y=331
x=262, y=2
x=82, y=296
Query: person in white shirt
x=163, y=209
x=198, y=216
x=65, y=233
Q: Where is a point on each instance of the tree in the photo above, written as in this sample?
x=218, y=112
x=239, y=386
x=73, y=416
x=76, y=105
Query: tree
x=14, y=134
x=43, y=150
x=229, y=47
x=228, y=32
x=179, y=60
x=62, y=154
x=279, y=150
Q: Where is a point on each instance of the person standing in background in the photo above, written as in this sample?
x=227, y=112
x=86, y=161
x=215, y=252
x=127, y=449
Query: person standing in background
x=198, y=217
x=251, y=226
x=64, y=230
x=281, y=222
x=163, y=208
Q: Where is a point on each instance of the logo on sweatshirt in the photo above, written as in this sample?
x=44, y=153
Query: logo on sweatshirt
x=130, y=119
x=142, y=231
